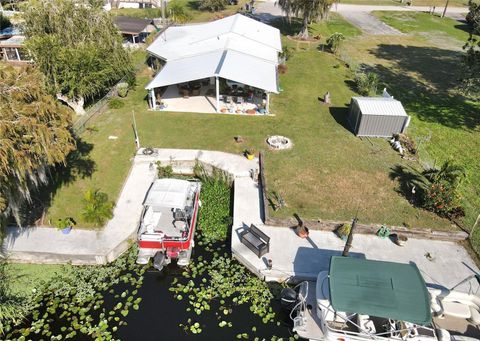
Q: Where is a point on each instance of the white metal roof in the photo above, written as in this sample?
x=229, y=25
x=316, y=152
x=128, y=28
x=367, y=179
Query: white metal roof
x=380, y=106
x=168, y=193
x=230, y=65
x=237, y=48
x=235, y=32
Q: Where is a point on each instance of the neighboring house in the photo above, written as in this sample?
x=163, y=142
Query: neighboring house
x=377, y=116
x=109, y=4
x=134, y=30
x=228, y=65
x=13, y=51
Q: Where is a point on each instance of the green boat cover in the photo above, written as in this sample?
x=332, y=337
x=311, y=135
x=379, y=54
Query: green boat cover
x=382, y=289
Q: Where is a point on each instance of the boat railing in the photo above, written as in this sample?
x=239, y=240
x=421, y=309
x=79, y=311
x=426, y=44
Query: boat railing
x=362, y=332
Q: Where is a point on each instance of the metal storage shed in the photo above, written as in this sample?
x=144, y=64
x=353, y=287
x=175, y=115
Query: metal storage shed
x=377, y=116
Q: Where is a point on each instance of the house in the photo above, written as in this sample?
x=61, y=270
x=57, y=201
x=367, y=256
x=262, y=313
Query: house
x=377, y=116
x=228, y=65
x=13, y=51
x=134, y=30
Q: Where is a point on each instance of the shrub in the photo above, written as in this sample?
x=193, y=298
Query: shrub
x=286, y=54
x=212, y=5
x=164, y=171
x=115, y=103
x=122, y=89
x=443, y=199
x=473, y=16
x=214, y=219
x=366, y=83
x=334, y=42
x=97, y=207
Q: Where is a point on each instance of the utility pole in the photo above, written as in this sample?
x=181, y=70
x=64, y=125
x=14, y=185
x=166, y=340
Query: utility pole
x=445, y=9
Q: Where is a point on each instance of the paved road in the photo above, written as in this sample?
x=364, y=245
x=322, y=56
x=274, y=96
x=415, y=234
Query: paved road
x=359, y=15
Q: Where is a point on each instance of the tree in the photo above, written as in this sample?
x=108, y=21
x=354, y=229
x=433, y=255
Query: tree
x=97, y=207
x=178, y=13
x=366, y=83
x=34, y=136
x=335, y=41
x=309, y=10
x=473, y=16
x=470, y=79
x=77, y=47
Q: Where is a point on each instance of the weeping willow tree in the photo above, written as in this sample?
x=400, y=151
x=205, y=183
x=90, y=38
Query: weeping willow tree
x=308, y=10
x=77, y=47
x=34, y=135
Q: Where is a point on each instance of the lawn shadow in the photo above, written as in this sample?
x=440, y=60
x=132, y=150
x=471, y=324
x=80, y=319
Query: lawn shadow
x=423, y=79
x=288, y=27
x=79, y=165
x=408, y=180
x=193, y=5
x=340, y=115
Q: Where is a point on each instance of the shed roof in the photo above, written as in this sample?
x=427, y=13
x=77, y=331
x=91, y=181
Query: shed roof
x=131, y=25
x=237, y=48
x=380, y=106
x=168, y=193
x=382, y=289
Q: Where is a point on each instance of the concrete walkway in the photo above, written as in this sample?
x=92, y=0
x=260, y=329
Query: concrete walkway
x=49, y=245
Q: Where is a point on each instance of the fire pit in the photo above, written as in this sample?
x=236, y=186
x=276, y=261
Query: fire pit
x=279, y=142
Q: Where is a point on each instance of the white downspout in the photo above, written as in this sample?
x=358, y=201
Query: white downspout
x=217, y=93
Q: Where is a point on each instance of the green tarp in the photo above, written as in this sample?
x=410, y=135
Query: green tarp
x=381, y=289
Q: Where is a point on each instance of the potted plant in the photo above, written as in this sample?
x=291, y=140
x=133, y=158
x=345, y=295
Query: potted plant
x=250, y=153
x=343, y=231
x=65, y=224
x=399, y=239
x=301, y=230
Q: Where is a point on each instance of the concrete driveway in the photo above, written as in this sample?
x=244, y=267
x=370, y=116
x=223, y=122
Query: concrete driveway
x=369, y=24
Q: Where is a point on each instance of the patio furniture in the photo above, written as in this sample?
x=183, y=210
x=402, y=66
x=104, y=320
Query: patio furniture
x=257, y=241
x=195, y=91
x=184, y=92
x=239, y=100
x=229, y=99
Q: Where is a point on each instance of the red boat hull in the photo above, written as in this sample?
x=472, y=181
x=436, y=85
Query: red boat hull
x=174, y=246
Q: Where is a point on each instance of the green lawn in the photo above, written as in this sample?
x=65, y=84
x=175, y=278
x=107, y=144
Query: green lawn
x=27, y=277
x=432, y=27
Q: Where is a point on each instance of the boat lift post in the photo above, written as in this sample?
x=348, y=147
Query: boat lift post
x=348, y=244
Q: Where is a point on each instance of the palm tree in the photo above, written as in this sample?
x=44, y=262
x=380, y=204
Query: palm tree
x=97, y=207
x=309, y=10
x=449, y=172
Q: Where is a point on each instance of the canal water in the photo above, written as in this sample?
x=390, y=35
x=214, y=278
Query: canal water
x=160, y=315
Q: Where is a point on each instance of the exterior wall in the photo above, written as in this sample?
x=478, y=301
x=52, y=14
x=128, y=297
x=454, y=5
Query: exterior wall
x=354, y=116
x=380, y=126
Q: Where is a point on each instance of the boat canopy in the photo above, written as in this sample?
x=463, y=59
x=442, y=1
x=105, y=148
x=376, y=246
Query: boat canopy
x=382, y=289
x=168, y=193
